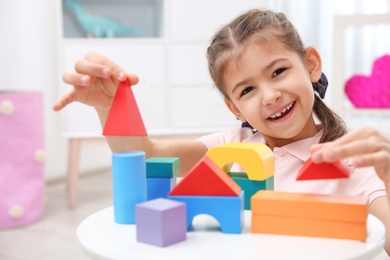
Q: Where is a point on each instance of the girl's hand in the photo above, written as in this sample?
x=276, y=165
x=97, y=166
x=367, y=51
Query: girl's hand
x=94, y=82
x=365, y=146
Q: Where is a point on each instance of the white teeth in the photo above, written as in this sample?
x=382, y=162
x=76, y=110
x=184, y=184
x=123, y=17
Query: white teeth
x=283, y=112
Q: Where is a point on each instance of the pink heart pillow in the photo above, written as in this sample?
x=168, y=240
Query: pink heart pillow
x=371, y=91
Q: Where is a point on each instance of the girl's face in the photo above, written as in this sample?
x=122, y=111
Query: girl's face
x=271, y=88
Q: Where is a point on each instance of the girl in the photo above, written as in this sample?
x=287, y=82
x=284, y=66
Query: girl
x=271, y=82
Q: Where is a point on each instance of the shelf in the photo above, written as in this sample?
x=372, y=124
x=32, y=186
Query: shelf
x=112, y=41
x=114, y=18
x=369, y=111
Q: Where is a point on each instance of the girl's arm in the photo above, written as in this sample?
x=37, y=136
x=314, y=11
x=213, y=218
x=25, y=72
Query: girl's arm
x=94, y=83
x=365, y=146
x=189, y=152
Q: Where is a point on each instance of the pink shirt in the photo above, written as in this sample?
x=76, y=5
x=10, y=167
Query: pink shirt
x=290, y=158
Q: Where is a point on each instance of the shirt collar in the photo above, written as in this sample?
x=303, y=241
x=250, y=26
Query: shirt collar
x=299, y=149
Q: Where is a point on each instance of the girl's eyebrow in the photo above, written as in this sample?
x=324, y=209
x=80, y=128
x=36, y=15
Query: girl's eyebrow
x=268, y=67
x=272, y=63
x=238, y=85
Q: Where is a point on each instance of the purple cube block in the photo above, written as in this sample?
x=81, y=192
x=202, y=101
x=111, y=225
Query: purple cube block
x=161, y=222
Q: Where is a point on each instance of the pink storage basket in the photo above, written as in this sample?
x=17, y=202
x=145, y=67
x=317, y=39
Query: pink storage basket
x=21, y=158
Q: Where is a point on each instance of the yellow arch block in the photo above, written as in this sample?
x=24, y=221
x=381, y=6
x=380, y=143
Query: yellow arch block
x=256, y=159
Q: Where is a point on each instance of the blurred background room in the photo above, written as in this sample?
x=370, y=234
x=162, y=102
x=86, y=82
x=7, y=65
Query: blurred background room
x=165, y=45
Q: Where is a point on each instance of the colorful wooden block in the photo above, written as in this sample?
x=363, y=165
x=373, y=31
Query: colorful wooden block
x=22, y=158
x=227, y=210
x=124, y=118
x=307, y=205
x=251, y=187
x=327, y=215
x=320, y=171
x=256, y=159
x=161, y=222
x=279, y=225
x=129, y=184
x=159, y=187
x=206, y=179
x=162, y=167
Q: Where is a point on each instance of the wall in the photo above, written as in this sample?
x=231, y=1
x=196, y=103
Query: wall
x=29, y=62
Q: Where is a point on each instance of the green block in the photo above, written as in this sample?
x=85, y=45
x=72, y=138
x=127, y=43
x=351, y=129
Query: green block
x=250, y=186
x=162, y=167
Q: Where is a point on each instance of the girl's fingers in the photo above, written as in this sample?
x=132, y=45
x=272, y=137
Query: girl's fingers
x=78, y=93
x=96, y=65
x=100, y=62
x=362, y=133
x=359, y=148
x=133, y=79
x=358, y=142
x=316, y=147
x=318, y=150
x=377, y=159
x=93, y=69
x=64, y=100
x=351, y=149
x=76, y=79
x=333, y=152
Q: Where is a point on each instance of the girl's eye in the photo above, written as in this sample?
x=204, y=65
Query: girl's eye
x=246, y=91
x=278, y=71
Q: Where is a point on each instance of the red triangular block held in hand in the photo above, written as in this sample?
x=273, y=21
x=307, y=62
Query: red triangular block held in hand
x=206, y=179
x=124, y=118
x=322, y=171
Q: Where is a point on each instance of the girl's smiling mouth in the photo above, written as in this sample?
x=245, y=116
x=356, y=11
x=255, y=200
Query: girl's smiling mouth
x=281, y=114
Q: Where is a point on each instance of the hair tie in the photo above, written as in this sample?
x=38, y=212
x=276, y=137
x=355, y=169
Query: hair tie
x=321, y=86
x=246, y=124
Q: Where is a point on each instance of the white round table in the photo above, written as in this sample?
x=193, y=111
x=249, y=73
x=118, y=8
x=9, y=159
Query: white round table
x=102, y=238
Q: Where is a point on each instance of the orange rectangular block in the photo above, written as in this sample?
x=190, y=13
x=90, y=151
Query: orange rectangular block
x=310, y=206
x=308, y=227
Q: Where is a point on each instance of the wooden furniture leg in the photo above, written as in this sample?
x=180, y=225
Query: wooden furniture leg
x=73, y=171
x=72, y=174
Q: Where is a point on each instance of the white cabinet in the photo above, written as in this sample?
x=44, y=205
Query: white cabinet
x=207, y=109
x=175, y=92
x=188, y=65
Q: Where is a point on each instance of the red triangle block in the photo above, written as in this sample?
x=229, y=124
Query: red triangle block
x=322, y=171
x=206, y=179
x=124, y=118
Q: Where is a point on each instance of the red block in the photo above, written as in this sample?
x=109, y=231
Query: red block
x=206, y=179
x=124, y=118
x=313, y=171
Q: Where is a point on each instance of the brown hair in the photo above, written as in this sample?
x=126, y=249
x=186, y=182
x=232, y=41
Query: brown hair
x=257, y=26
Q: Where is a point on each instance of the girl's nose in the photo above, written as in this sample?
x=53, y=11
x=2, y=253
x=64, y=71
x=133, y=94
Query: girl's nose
x=270, y=96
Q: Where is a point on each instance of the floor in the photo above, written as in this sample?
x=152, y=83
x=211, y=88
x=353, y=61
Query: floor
x=54, y=237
